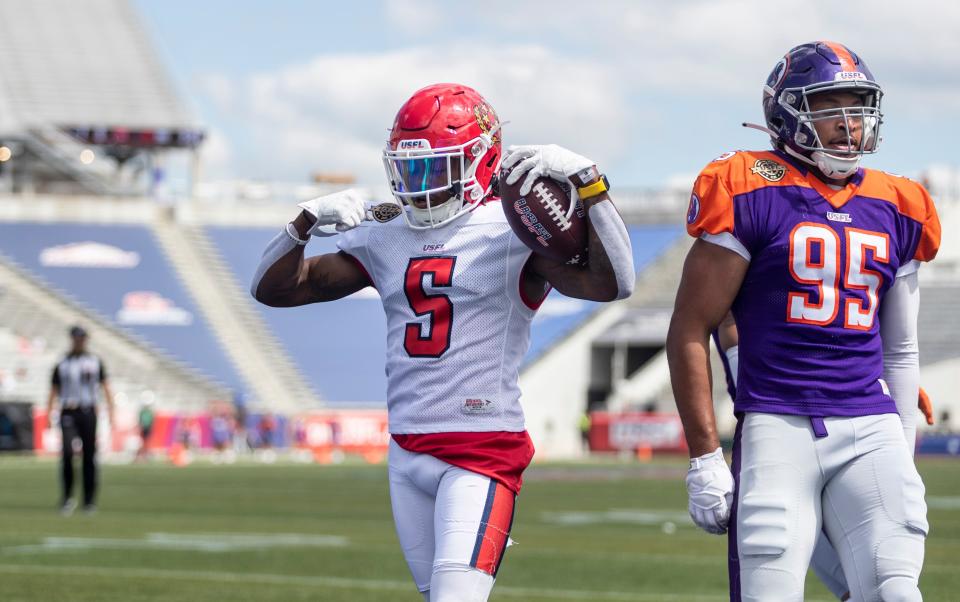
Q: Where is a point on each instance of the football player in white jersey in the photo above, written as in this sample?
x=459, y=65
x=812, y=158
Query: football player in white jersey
x=459, y=290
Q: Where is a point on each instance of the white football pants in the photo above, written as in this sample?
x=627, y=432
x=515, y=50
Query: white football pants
x=858, y=484
x=453, y=525
x=825, y=562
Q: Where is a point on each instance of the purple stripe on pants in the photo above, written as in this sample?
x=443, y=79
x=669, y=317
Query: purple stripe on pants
x=733, y=556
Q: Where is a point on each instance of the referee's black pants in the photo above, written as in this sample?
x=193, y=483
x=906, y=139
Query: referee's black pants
x=82, y=423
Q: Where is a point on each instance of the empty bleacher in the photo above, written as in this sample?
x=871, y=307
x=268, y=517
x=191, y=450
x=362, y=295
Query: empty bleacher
x=33, y=335
x=140, y=293
x=339, y=347
x=268, y=369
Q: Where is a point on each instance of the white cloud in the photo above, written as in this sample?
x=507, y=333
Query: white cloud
x=729, y=46
x=626, y=83
x=220, y=89
x=216, y=155
x=334, y=112
x=416, y=15
x=680, y=181
x=943, y=181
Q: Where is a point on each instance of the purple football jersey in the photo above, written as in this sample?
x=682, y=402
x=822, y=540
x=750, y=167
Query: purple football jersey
x=821, y=261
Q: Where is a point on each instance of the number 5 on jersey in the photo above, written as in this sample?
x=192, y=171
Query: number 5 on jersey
x=430, y=338
x=822, y=268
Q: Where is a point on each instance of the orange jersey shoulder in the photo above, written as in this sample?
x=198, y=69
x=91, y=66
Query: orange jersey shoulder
x=729, y=175
x=912, y=201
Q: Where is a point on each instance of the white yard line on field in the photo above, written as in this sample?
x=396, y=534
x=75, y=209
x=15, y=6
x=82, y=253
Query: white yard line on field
x=943, y=502
x=635, y=516
x=525, y=593
x=198, y=542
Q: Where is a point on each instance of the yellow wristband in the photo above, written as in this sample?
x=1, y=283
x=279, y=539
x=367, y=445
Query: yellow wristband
x=595, y=189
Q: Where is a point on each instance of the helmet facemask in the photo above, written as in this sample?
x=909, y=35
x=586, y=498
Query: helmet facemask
x=807, y=145
x=436, y=185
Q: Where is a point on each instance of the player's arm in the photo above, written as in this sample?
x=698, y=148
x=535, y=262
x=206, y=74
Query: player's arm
x=901, y=351
x=609, y=274
x=285, y=278
x=711, y=278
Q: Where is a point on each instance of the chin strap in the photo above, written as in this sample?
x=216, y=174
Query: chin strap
x=836, y=167
x=829, y=165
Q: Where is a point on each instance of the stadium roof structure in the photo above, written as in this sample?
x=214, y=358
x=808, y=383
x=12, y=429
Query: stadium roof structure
x=82, y=92
x=90, y=63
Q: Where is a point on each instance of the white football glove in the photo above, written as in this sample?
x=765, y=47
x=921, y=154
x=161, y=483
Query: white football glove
x=549, y=160
x=343, y=210
x=710, y=487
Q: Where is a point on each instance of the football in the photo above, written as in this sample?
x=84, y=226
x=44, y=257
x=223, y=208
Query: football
x=540, y=220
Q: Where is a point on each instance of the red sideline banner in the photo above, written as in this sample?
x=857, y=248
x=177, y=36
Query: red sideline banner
x=350, y=431
x=629, y=431
x=362, y=432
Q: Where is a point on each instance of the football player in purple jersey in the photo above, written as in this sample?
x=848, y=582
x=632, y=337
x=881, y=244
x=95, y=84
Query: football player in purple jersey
x=825, y=561
x=817, y=258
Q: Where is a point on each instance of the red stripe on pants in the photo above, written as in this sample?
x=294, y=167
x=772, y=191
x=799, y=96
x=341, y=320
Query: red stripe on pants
x=496, y=531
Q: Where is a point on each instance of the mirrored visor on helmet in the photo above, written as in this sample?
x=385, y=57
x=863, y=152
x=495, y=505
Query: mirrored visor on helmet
x=421, y=174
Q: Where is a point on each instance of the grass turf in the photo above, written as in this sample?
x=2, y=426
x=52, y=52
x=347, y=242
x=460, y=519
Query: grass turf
x=250, y=532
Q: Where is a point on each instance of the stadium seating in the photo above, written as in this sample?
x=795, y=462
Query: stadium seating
x=33, y=325
x=144, y=297
x=339, y=346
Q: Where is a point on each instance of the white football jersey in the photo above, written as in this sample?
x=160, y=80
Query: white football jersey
x=457, y=325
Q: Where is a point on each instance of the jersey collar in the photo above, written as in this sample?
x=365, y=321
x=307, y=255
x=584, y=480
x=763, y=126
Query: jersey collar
x=837, y=198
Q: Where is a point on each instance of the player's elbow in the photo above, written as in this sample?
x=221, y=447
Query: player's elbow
x=260, y=296
x=626, y=285
x=603, y=290
x=266, y=296
x=612, y=285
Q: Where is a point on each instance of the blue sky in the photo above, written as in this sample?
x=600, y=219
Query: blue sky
x=650, y=90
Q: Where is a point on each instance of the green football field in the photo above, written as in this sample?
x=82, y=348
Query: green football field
x=288, y=532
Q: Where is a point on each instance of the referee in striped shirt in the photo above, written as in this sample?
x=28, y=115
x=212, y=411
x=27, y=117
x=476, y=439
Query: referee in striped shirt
x=75, y=383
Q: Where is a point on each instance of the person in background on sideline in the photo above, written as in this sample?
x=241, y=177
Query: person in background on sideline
x=75, y=383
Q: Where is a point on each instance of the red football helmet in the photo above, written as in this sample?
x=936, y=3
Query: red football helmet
x=443, y=151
